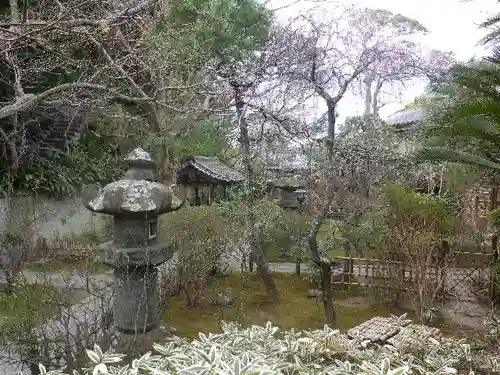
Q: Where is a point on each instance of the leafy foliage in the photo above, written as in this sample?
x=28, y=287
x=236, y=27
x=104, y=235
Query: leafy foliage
x=495, y=218
x=364, y=237
x=208, y=138
x=280, y=233
x=222, y=29
x=266, y=350
x=466, y=116
x=94, y=158
x=436, y=212
x=164, y=56
x=493, y=24
x=203, y=239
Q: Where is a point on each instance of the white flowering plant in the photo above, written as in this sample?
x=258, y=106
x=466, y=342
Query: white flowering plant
x=267, y=351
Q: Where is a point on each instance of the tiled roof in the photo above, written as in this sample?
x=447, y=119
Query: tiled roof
x=407, y=117
x=214, y=168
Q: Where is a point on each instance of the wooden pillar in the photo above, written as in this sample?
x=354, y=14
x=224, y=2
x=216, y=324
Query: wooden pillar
x=197, y=201
x=211, y=193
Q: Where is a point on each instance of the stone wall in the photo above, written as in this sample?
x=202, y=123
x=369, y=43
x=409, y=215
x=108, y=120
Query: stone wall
x=38, y=217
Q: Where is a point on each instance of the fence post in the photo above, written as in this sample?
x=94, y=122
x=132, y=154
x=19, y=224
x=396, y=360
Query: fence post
x=346, y=272
x=493, y=270
x=351, y=269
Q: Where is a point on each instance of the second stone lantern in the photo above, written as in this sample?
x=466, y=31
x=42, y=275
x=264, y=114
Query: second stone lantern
x=135, y=202
x=292, y=192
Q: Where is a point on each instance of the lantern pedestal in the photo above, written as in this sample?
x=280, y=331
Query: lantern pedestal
x=135, y=304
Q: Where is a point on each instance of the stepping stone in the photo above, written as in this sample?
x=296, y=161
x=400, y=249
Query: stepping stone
x=376, y=329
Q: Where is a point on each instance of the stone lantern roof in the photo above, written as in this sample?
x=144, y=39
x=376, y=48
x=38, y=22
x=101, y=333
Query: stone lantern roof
x=290, y=183
x=139, y=157
x=141, y=166
x=134, y=194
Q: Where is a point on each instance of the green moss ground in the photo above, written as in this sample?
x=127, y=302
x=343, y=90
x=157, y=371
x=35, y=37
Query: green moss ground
x=33, y=304
x=251, y=306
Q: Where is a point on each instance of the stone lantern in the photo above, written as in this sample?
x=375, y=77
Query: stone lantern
x=135, y=202
x=290, y=199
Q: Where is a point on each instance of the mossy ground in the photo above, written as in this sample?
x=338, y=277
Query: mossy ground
x=251, y=306
x=32, y=304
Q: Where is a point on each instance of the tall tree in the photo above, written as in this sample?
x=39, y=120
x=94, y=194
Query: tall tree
x=326, y=58
x=320, y=57
x=244, y=77
x=493, y=26
x=404, y=60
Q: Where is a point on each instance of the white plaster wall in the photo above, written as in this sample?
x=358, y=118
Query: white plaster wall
x=47, y=218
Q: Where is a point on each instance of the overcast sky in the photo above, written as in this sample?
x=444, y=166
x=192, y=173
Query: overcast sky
x=452, y=27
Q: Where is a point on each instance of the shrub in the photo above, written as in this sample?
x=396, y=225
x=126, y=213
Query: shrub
x=495, y=223
x=298, y=228
x=419, y=230
x=202, y=238
x=436, y=213
x=361, y=239
x=281, y=233
x=266, y=350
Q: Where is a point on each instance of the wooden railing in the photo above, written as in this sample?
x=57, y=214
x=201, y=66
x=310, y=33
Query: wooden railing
x=462, y=268
x=373, y=272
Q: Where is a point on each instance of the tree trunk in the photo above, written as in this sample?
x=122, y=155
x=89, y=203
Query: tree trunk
x=250, y=263
x=326, y=276
x=243, y=264
x=376, y=93
x=324, y=264
x=368, y=81
x=33, y=361
x=10, y=140
x=297, y=267
x=160, y=117
x=251, y=232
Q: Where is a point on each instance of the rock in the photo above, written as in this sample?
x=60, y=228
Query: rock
x=170, y=331
x=223, y=299
x=314, y=293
